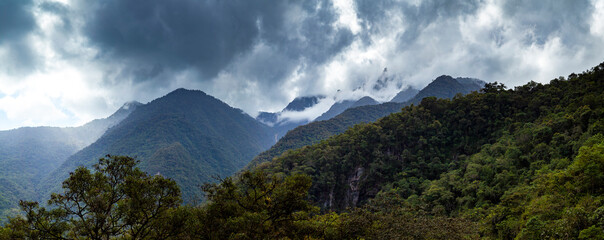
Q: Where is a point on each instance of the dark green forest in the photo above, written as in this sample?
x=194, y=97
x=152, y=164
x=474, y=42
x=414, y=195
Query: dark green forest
x=521, y=163
x=441, y=87
x=186, y=135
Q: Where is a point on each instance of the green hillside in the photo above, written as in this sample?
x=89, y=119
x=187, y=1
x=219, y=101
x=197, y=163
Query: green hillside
x=29, y=154
x=522, y=163
x=526, y=163
x=314, y=132
x=186, y=135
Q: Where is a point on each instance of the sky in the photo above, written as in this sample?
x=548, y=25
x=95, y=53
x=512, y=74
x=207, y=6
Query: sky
x=66, y=62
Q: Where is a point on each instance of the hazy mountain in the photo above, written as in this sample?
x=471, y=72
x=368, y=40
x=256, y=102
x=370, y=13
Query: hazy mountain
x=281, y=124
x=301, y=103
x=405, y=95
x=447, y=87
x=340, y=107
x=29, y=154
x=186, y=135
x=441, y=87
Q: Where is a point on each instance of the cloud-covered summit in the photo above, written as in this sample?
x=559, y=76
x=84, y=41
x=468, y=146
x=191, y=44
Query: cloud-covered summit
x=68, y=61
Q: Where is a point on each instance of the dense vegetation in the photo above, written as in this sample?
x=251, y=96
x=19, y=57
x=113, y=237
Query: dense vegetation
x=186, y=135
x=526, y=163
x=119, y=201
x=340, y=107
x=442, y=87
x=29, y=154
x=522, y=163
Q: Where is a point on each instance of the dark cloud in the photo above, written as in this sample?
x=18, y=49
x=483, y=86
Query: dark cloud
x=209, y=35
x=179, y=34
x=261, y=54
x=54, y=7
x=15, y=19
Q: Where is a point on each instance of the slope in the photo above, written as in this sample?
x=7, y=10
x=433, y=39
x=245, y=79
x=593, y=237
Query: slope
x=29, y=154
x=525, y=163
x=441, y=87
x=340, y=107
x=186, y=135
x=405, y=95
x=281, y=124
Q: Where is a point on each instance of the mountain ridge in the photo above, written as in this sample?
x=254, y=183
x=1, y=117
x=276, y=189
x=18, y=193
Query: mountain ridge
x=200, y=135
x=443, y=87
x=29, y=154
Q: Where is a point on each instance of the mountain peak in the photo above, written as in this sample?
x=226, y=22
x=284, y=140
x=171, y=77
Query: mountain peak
x=181, y=91
x=130, y=104
x=442, y=78
x=364, y=101
x=301, y=103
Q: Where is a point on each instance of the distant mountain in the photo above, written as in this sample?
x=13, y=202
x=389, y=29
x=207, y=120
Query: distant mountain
x=301, y=103
x=340, y=107
x=186, y=135
x=441, y=87
x=267, y=118
x=280, y=125
x=29, y=154
x=405, y=95
x=447, y=87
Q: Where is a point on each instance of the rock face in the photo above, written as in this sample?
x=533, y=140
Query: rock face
x=352, y=195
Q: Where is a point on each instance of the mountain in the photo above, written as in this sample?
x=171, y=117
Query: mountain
x=29, y=154
x=522, y=163
x=405, y=95
x=186, y=135
x=279, y=123
x=267, y=118
x=301, y=103
x=441, y=87
x=447, y=87
x=340, y=107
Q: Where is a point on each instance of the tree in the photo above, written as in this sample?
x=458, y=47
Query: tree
x=117, y=199
x=255, y=206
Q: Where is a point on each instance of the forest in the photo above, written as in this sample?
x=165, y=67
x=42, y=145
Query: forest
x=520, y=163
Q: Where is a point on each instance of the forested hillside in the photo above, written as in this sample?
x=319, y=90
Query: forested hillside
x=340, y=107
x=441, y=87
x=524, y=163
x=186, y=135
x=29, y=154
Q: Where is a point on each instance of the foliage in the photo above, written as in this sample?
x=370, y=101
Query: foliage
x=186, y=135
x=29, y=154
x=116, y=200
x=519, y=163
x=522, y=163
x=314, y=132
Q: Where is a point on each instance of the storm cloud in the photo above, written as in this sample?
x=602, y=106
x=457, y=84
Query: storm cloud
x=259, y=55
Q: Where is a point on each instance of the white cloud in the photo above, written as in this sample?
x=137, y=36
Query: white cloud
x=347, y=15
x=597, y=23
x=308, y=114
